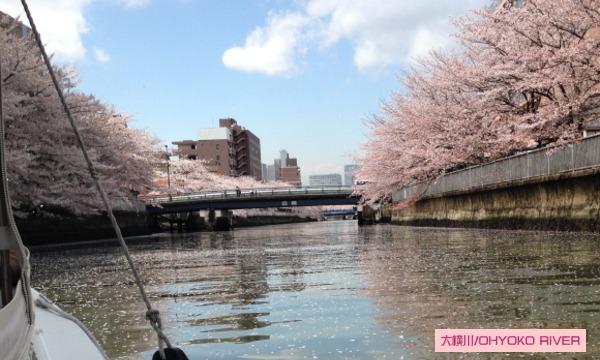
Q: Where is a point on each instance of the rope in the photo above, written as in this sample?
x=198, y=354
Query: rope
x=14, y=231
x=152, y=315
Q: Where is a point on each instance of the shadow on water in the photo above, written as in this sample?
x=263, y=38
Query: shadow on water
x=330, y=290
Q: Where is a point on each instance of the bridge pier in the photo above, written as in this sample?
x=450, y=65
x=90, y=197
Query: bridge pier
x=373, y=214
x=191, y=221
x=176, y=221
x=216, y=220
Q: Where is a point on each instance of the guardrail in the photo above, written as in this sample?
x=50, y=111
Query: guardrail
x=212, y=195
x=581, y=155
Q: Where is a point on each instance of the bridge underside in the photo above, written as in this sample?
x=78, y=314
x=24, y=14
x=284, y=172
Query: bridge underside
x=337, y=213
x=233, y=204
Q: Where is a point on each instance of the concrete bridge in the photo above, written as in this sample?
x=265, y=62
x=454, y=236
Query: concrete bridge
x=212, y=209
x=343, y=214
x=251, y=199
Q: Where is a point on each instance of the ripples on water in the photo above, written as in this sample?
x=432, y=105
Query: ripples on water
x=328, y=290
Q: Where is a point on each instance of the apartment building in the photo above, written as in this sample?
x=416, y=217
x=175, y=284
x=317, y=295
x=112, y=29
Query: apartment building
x=246, y=147
x=228, y=150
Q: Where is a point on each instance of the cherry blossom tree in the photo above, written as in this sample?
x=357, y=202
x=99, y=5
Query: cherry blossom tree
x=191, y=176
x=538, y=64
x=526, y=76
x=46, y=169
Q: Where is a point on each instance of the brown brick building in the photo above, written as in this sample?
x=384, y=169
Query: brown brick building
x=289, y=171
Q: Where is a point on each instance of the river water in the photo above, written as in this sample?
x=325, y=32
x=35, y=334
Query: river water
x=329, y=290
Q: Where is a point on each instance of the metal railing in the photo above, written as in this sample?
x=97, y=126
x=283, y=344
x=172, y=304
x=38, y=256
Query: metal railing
x=581, y=155
x=255, y=193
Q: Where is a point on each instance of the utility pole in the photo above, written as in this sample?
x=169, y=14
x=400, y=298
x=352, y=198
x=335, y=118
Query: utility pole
x=168, y=170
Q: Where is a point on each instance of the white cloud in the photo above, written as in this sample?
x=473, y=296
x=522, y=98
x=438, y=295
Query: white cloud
x=131, y=4
x=60, y=24
x=101, y=55
x=271, y=50
x=383, y=33
x=422, y=40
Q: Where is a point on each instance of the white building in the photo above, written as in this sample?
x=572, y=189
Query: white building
x=325, y=180
x=350, y=174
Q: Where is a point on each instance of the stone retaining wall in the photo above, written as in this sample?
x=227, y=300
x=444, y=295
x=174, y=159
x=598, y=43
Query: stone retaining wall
x=565, y=204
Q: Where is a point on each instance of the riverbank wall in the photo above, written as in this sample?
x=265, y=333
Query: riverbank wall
x=547, y=189
x=64, y=229
x=47, y=231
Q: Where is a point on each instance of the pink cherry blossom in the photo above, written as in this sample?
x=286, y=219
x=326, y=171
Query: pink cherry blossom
x=524, y=76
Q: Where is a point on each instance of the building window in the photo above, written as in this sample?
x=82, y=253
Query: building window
x=218, y=157
x=218, y=146
x=194, y=147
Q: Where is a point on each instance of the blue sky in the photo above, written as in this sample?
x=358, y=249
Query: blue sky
x=300, y=74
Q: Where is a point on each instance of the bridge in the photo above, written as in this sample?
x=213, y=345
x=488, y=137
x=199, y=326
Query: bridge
x=331, y=213
x=251, y=199
x=340, y=214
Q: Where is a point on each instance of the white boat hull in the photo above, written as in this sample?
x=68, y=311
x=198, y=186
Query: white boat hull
x=57, y=335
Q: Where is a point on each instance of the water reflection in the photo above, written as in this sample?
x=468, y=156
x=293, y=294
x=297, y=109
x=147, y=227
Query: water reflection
x=329, y=290
x=434, y=278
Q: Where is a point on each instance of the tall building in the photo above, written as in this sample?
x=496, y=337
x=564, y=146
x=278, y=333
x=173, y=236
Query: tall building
x=325, y=180
x=277, y=169
x=265, y=172
x=247, y=149
x=350, y=174
x=271, y=173
x=287, y=170
x=229, y=149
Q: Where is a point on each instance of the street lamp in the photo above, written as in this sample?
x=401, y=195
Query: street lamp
x=168, y=166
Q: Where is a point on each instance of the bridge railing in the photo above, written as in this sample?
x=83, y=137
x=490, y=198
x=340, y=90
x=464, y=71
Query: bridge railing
x=530, y=165
x=211, y=195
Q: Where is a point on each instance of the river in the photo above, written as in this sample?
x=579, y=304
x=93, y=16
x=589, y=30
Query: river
x=328, y=290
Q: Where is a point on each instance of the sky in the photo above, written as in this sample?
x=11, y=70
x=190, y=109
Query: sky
x=302, y=75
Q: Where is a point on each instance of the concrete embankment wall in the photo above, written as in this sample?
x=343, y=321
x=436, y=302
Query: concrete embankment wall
x=54, y=230
x=550, y=189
